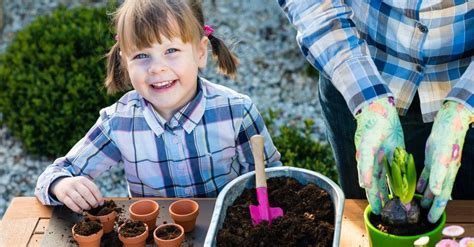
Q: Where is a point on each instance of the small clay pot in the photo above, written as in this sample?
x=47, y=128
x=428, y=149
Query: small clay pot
x=164, y=241
x=92, y=240
x=107, y=220
x=137, y=241
x=184, y=212
x=145, y=211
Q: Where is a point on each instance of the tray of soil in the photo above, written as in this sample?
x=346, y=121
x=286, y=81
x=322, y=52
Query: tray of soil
x=312, y=206
x=87, y=232
x=59, y=233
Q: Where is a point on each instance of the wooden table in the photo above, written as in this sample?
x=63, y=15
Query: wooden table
x=26, y=220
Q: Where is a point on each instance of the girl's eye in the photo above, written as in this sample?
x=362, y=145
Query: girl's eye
x=140, y=56
x=171, y=50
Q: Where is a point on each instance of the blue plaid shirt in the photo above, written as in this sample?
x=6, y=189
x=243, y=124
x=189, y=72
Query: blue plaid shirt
x=373, y=49
x=203, y=147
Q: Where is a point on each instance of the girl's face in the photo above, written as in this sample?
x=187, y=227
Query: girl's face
x=166, y=74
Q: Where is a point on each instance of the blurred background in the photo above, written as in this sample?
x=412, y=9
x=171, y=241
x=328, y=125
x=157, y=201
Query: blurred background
x=52, y=71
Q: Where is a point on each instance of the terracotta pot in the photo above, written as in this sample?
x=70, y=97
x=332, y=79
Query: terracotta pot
x=88, y=241
x=184, y=212
x=175, y=242
x=145, y=211
x=107, y=220
x=138, y=241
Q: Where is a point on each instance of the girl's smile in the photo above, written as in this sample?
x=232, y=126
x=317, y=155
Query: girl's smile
x=163, y=86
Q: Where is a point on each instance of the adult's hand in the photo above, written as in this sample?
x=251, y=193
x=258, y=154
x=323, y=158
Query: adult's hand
x=378, y=134
x=443, y=157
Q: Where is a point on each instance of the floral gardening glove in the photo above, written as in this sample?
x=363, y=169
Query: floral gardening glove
x=443, y=157
x=378, y=134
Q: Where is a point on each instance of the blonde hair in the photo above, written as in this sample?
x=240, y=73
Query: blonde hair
x=140, y=23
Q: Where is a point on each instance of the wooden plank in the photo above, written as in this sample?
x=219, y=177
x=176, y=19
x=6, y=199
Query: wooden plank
x=26, y=218
x=353, y=234
x=27, y=207
x=354, y=210
x=16, y=232
x=35, y=240
x=353, y=229
x=460, y=211
x=41, y=226
x=468, y=230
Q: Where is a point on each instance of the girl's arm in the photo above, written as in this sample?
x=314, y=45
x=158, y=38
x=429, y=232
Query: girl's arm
x=93, y=154
x=253, y=124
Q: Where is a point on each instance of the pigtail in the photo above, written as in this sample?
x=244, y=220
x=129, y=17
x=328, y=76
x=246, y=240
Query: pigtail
x=116, y=80
x=227, y=62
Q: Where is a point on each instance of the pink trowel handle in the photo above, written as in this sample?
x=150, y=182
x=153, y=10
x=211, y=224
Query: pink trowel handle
x=257, y=144
x=262, y=211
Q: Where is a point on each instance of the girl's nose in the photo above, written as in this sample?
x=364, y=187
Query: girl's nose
x=157, y=66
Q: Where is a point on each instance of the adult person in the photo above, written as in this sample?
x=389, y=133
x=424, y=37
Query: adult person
x=394, y=73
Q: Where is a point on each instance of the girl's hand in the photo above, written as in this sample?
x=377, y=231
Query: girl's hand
x=77, y=193
x=443, y=157
x=377, y=135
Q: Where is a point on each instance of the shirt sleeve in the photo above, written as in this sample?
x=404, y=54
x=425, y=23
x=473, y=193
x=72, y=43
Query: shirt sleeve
x=92, y=155
x=463, y=90
x=329, y=40
x=253, y=124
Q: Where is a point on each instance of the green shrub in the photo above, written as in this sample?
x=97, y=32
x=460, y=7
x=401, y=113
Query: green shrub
x=299, y=149
x=51, y=79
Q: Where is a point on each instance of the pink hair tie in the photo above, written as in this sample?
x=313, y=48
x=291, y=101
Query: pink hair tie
x=208, y=30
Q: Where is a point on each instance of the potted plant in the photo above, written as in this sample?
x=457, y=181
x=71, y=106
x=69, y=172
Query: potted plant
x=87, y=233
x=133, y=233
x=106, y=214
x=184, y=212
x=402, y=221
x=169, y=235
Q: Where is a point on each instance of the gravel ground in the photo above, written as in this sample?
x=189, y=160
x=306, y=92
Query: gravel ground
x=272, y=72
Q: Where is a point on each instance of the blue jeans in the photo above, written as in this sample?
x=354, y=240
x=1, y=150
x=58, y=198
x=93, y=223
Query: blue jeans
x=340, y=129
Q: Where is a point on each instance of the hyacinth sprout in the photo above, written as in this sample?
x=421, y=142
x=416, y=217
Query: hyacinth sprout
x=401, y=173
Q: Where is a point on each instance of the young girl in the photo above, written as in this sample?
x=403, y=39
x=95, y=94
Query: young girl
x=177, y=134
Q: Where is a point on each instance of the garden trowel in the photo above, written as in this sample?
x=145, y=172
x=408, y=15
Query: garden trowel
x=263, y=211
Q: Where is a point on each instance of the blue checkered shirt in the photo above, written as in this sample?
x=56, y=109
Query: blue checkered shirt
x=373, y=49
x=203, y=147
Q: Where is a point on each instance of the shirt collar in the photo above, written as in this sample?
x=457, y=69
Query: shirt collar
x=188, y=116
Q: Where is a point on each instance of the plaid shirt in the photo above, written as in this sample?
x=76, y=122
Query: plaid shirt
x=203, y=147
x=373, y=49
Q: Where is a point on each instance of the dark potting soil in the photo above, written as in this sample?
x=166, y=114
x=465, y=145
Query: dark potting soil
x=87, y=227
x=423, y=226
x=308, y=218
x=168, y=232
x=132, y=228
x=106, y=208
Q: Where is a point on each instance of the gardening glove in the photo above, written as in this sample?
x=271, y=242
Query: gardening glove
x=378, y=134
x=443, y=156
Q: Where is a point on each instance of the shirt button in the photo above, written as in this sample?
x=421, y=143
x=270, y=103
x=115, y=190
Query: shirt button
x=422, y=28
x=419, y=68
x=175, y=140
